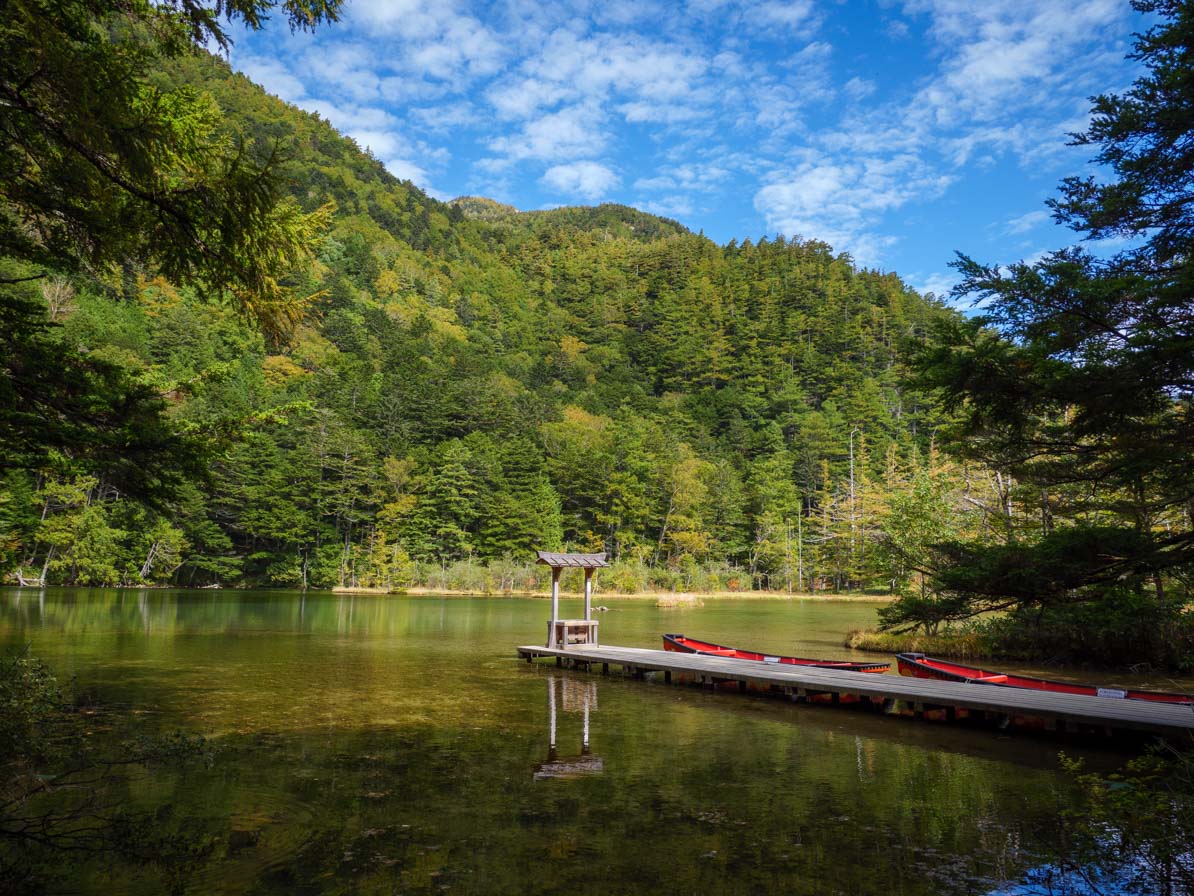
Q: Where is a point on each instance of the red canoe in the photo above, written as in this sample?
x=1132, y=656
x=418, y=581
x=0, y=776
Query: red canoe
x=918, y=665
x=681, y=644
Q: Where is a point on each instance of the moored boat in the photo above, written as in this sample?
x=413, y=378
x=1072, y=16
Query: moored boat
x=682, y=644
x=917, y=665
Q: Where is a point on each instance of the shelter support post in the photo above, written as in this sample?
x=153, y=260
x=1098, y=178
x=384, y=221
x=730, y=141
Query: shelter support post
x=555, y=606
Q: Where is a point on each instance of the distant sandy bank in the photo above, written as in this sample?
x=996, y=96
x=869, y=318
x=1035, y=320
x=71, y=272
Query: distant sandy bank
x=679, y=598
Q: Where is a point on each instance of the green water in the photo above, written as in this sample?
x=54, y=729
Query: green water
x=396, y=745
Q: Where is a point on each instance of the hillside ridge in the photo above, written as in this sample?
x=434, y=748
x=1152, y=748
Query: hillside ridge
x=472, y=381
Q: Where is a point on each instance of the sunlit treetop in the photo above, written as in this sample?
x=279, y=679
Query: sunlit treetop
x=102, y=167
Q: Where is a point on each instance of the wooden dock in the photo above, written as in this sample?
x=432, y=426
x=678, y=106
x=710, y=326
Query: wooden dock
x=892, y=693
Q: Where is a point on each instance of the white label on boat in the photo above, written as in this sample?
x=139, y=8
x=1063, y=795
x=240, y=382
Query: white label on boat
x=771, y=659
x=1112, y=692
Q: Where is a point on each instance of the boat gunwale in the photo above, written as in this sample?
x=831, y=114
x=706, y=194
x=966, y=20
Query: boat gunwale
x=839, y=665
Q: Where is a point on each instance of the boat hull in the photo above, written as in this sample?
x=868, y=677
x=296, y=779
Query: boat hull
x=917, y=665
x=683, y=644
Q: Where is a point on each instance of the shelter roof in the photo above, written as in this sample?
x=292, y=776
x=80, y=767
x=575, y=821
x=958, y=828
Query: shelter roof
x=572, y=561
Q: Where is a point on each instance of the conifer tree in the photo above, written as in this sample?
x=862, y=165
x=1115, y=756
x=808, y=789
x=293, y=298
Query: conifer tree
x=1080, y=373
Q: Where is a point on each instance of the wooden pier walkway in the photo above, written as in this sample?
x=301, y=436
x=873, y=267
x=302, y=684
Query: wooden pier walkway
x=1004, y=706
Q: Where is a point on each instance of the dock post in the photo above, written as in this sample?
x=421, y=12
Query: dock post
x=588, y=595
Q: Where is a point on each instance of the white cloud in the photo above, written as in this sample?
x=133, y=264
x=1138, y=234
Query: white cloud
x=1009, y=73
x=1027, y=222
x=588, y=180
x=525, y=97
x=403, y=89
x=645, y=80
x=404, y=169
x=273, y=75
x=571, y=133
x=380, y=143
x=443, y=119
x=690, y=178
x=788, y=14
x=842, y=203
x=465, y=46
x=647, y=112
x=697, y=108
x=430, y=37
x=411, y=19
x=349, y=67
x=383, y=134
x=1008, y=52
x=706, y=8
x=627, y=12
x=662, y=182
x=1011, y=78
x=937, y=283
x=730, y=65
x=670, y=206
x=858, y=89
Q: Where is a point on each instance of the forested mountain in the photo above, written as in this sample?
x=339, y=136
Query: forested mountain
x=470, y=381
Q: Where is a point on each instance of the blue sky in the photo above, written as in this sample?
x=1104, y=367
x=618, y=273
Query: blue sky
x=896, y=130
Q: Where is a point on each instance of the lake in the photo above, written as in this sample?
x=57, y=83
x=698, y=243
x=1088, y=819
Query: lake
x=370, y=744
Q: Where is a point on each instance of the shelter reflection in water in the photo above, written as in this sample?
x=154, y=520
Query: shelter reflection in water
x=577, y=698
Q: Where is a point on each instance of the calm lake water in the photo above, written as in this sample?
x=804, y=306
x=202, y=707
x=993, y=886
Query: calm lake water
x=396, y=745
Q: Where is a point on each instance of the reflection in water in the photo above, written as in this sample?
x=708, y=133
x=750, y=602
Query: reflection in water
x=576, y=697
x=383, y=745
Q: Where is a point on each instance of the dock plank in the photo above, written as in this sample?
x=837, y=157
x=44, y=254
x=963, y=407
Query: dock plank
x=1109, y=712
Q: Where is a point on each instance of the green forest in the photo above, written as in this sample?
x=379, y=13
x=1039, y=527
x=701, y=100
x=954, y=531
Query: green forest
x=238, y=352
x=472, y=382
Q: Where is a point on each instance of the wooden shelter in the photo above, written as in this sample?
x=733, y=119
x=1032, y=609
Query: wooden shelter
x=562, y=632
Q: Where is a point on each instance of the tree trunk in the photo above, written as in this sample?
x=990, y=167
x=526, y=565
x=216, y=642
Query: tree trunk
x=147, y=566
x=45, y=567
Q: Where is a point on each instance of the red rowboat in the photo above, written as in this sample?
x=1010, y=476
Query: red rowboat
x=681, y=644
x=918, y=665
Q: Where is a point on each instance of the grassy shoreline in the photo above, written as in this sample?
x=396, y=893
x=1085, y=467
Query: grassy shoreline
x=955, y=645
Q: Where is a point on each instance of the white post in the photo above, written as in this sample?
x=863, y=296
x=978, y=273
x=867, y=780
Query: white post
x=588, y=594
x=584, y=744
x=551, y=717
x=555, y=606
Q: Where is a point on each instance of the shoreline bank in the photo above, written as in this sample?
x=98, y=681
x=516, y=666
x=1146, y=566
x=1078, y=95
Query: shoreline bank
x=681, y=598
